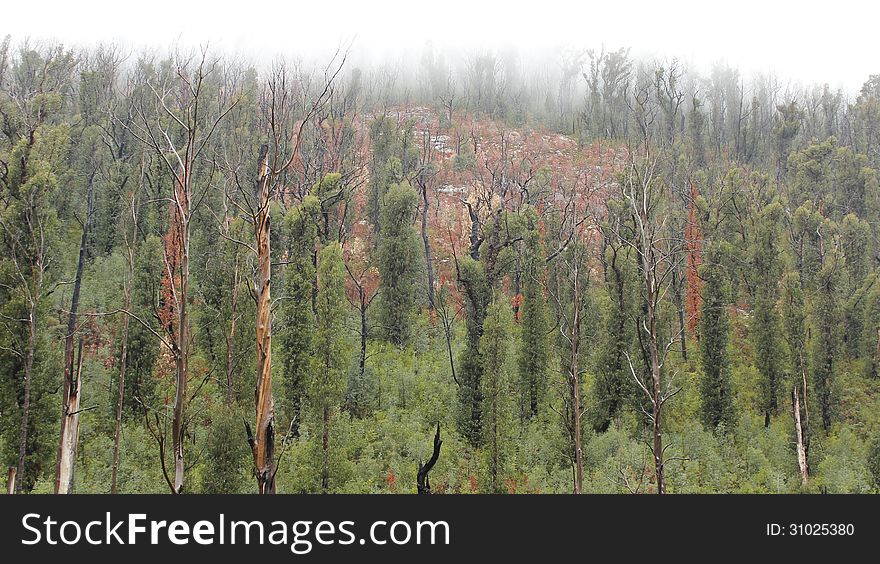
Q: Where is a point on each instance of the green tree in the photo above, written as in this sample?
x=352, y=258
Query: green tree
x=826, y=340
x=497, y=405
x=765, y=323
x=330, y=357
x=533, y=349
x=296, y=313
x=400, y=264
x=717, y=406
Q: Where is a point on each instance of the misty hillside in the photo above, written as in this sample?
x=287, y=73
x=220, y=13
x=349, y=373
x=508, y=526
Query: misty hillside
x=470, y=275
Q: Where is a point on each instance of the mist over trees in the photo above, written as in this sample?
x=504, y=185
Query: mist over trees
x=591, y=272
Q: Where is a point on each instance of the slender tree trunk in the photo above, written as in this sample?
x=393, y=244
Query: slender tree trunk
x=263, y=440
x=123, y=360
x=429, y=262
x=182, y=334
x=120, y=395
x=28, y=370
x=657, y=395
x=362, y=358
x=574, y=384
x=801, y=450
x=10, y=480
x=72, y=386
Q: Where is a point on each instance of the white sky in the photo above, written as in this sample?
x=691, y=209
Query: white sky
x=807, y=41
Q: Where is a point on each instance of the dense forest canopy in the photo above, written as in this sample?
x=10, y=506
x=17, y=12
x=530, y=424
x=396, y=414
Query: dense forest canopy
x=477, y=274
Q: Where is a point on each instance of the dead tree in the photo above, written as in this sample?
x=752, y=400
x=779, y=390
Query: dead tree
x=177, y=124
x=72, y=381
x=801, y=413
x=658, y=257
x=273, y=163
x=423, y=484
x=263, y=442
x=570, y=297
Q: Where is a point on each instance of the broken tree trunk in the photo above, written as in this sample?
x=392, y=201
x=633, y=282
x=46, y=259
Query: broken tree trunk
x=70, y=436
x=263, y=439
x=72, y=385
x=801, y=426
x=423, y=484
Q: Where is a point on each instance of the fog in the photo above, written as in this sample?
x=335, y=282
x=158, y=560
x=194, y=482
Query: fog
x=801, y=42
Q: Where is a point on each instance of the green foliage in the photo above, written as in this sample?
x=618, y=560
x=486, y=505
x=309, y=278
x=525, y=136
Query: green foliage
x=765, y=326
x=826, y=341
x=227, y=455
x=400, y=264
x=717, y=406
x=296, y=315
x=477, y=293
x=497, y=404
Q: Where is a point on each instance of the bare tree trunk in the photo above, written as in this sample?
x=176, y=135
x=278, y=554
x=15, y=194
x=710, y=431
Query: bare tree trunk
x=429, y=262
x=801, y=452
x=10, y=480
x=72, y=386
x=263, y=440
x=123, y=359
x=69, y=427
x=801, y=426
x=181, y=344
x=574, y=384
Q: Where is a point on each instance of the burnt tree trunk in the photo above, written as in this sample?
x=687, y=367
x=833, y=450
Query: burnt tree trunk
x=423, y=483
x=429, y=261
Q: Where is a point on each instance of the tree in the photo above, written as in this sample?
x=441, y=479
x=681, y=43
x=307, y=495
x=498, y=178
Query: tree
x=826, y=340
x=717, y=406
x=329, y=362
x=657, y=257
x=794, y=319
x=296, y=312
x=399, y=264
x=71, y=386
x=31, y=159
x=612, y=371
x=765, y=323
x=423, y=483
x=533, y=350
x=179, y=139
x=496, y=391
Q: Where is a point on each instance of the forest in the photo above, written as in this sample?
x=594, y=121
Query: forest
x=465, y=273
